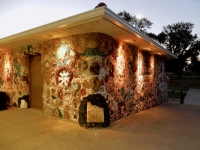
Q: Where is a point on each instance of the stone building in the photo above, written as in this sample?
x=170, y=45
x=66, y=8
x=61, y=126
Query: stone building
x=93, y=68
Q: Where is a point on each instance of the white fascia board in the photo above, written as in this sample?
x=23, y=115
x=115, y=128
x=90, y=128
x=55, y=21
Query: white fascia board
x=114, y=16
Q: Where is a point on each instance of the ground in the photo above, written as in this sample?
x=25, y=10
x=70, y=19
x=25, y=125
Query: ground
x=188, y=81
x=168, y=126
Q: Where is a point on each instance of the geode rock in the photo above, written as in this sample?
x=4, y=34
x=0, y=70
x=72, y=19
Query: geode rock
x=98, y=100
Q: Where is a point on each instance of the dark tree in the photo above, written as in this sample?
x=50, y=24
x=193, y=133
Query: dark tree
x=126, y=16
x=141, y=24
x=196, y=67
x=195, y=63
x=178, y=39
x=153, y=36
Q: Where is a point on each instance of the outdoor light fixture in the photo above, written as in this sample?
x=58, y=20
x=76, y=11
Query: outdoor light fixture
x=138, y=36
x=62, y=26
x=131, y=41
x=152, y=44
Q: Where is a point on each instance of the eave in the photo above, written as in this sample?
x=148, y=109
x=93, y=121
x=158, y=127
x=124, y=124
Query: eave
x=97, y=20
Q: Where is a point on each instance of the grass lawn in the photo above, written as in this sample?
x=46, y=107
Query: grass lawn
x=176, y=94
x=187, y=82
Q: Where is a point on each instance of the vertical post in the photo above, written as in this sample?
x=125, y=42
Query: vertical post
x=173, y=95
x=182, y=97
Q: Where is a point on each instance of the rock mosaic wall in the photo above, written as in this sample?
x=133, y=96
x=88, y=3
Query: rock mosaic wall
x=77, y=66
x=160, y=80
x=20, y=71
x=6, y=63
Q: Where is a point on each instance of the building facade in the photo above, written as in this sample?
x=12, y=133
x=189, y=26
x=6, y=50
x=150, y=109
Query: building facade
x=86, y=78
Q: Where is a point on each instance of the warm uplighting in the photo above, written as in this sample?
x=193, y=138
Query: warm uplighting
x=65, y=55
x=7, y=65
x=61, y=50
x=120, y=61
x=7, y=68
x=159, y=53
x=139, y=67
x=152, y=63
x=140, y=76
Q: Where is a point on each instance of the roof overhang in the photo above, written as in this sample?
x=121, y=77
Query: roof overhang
x=97, y=20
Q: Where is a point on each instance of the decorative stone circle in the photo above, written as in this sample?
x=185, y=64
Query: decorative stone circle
x=64, y=76
x=98, y=100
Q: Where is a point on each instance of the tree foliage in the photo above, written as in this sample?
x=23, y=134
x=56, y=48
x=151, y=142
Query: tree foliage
x=195, y=63
x=178, y=39
x=141, y=24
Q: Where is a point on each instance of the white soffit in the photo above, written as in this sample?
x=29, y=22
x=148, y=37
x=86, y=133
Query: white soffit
x=98, y=20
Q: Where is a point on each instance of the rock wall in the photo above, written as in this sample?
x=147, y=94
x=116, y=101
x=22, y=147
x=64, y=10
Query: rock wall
x=80, y=65
x=6, y=63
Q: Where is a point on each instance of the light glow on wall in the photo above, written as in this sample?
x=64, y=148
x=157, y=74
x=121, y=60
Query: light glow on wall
x=152, y=64
x=61, y=50
x=7, y=64
x=7, y=69
x=140, y=76
x=120, y=61
x=65, y=55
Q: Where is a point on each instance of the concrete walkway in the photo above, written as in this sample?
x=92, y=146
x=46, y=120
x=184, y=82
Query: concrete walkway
x=192, y=97
x=169, y=126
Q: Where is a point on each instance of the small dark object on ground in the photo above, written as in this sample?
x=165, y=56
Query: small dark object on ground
x=182, y=99
x=24, y=97
x=3, y=99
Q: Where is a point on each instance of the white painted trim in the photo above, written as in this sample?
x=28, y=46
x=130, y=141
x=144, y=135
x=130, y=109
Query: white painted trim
x=76, y=19
x=88, y=16
x=116, y=18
